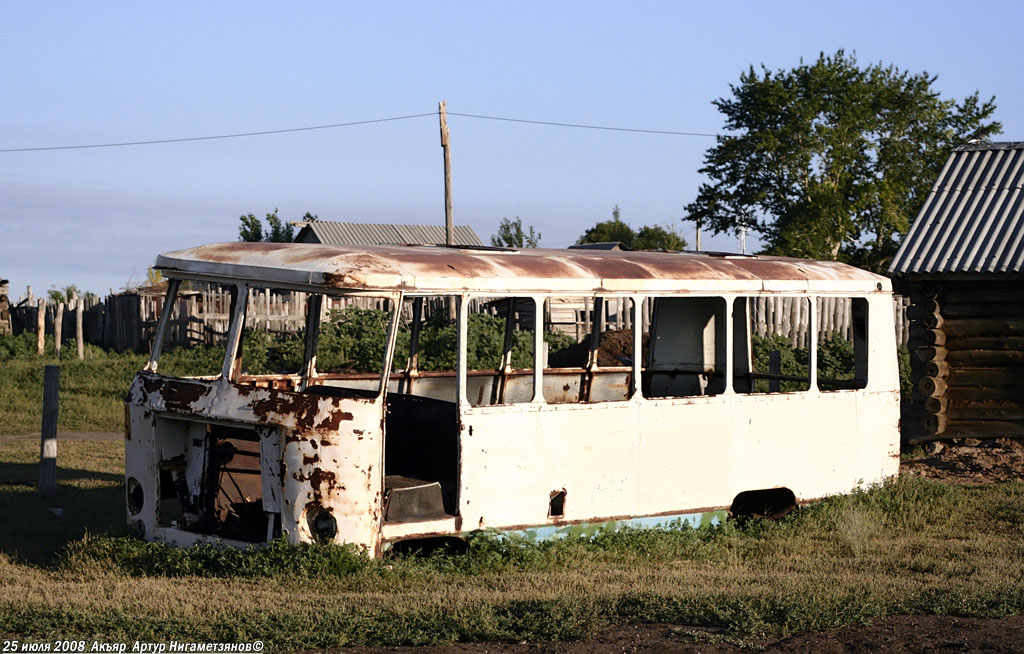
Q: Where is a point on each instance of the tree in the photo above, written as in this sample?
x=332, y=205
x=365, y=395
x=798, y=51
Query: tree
x=153, y=276
x=511, y=235
x=654, y=237
x=831, y=160
x=278, y=231
x=63, y=294
x=651, y=237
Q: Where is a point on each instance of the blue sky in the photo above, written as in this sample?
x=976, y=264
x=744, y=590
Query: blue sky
x=78, y=73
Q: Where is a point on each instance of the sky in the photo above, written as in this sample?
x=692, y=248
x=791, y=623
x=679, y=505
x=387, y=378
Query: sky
x=112, y=72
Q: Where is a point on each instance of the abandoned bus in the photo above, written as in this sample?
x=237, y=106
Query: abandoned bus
x=378, y=394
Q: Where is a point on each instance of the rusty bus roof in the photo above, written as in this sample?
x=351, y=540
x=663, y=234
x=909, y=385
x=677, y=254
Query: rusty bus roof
x=444, y=269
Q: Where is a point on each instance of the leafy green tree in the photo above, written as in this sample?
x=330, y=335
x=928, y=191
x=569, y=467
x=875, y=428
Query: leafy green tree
x=651, y=237
x=832, y=160
x=654, y=237
x=63, y=294
x=512, y=235
x=277, y=231
x=609, y=231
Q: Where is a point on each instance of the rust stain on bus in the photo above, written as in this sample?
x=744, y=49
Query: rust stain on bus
x=398, y=267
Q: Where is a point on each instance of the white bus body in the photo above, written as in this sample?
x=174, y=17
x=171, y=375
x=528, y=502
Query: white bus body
x=684, y=429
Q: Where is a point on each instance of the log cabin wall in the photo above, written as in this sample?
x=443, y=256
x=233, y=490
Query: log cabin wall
x=967, y=363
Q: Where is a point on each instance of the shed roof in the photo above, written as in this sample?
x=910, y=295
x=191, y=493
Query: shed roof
x=972, y=220
x=344, y=233
x=442, y=269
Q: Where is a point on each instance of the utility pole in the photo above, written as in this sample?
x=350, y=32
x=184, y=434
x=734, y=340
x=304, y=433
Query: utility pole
x=743, y=231
x=448, y=224
x=697, y=220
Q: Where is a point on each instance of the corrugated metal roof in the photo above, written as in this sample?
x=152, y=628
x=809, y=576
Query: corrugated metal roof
x=442, y=269
x=341, y=233
x=972, y=220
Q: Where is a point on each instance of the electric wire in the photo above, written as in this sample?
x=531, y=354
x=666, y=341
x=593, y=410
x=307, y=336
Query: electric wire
x=582, y=126
x=219, y=136
x=354, y=123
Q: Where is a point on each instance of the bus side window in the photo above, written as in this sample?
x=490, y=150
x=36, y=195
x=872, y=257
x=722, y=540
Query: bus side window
x=499, y=350
x=579, y=367
x=686, y=346
x=842, y=343
x=426, y=348
x=771, y=350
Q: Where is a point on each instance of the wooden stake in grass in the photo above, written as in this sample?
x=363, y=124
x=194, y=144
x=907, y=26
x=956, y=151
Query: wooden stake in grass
x=79, y=341
x=58, y=328
x=48, y=439
x=41, y=326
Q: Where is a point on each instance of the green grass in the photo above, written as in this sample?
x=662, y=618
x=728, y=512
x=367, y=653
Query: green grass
x=91, y=391
x=911, y=546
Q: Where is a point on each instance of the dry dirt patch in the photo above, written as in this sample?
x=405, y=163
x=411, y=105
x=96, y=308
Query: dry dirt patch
x=901, y=633
x=970, y=461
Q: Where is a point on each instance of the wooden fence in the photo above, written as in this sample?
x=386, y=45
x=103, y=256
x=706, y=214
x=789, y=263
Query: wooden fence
x=127, y=321
x=770, y=315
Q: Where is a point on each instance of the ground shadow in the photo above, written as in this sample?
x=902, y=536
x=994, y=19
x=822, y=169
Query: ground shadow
x=34, y=529
x=28, y=473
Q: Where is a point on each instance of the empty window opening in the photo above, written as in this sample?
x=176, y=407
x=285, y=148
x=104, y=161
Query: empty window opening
x=556, y=505
x=197, y=326
x=426, y=348
x=348, y=340
x=686, y=346
x=842, y=343
x=499, y=350
x=318, y=343
x=589, y=342
x=771, y=352
x=272, y=347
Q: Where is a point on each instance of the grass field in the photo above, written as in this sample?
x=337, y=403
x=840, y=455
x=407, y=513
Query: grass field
x=912, y=546
x=91, y=391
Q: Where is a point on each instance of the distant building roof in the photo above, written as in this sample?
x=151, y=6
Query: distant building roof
x=339, y=233
x=973, y=218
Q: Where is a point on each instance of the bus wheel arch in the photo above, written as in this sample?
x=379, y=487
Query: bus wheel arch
x=764, y=503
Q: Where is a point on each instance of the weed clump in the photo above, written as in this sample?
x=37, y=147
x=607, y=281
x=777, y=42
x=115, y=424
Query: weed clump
x=132, y=557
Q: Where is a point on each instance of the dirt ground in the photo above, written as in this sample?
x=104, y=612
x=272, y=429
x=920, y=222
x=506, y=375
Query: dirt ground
x=970, y=461
x=901, y=633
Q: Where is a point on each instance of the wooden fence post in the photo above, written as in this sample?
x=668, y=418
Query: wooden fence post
x=79, y=339
x=58, y=328
x=48, y=437
x=41, y=326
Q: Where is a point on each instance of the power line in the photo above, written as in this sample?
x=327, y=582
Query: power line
x=581, y=126
x=351, y=124
x=219, y=136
